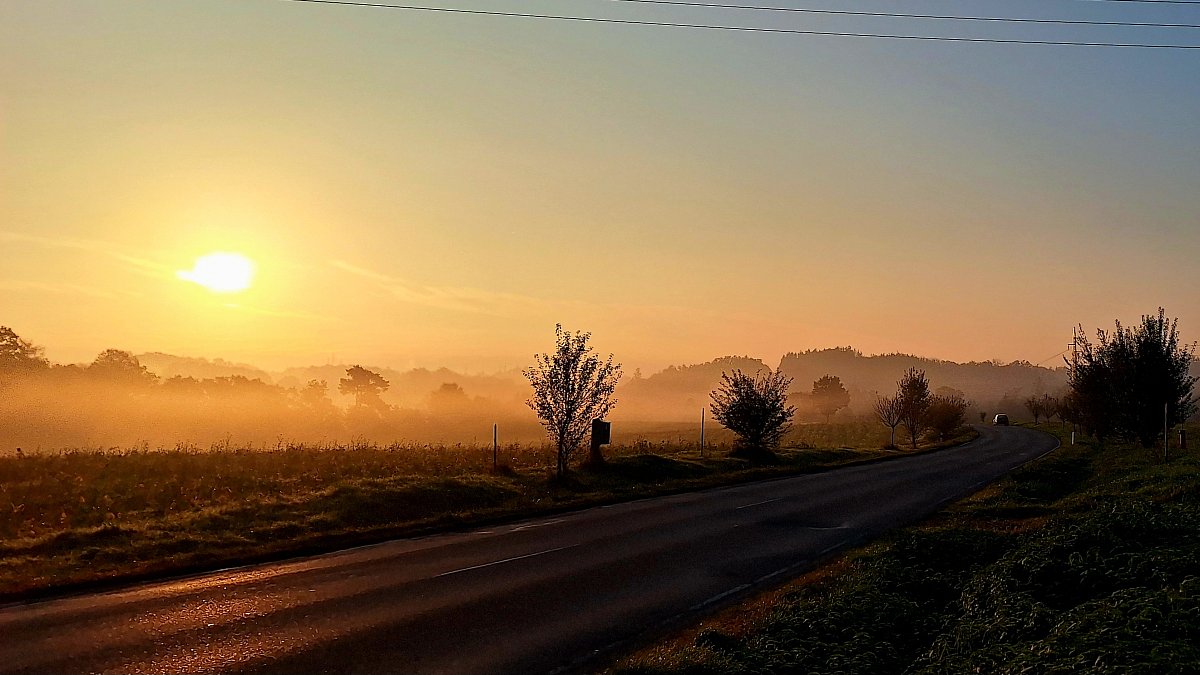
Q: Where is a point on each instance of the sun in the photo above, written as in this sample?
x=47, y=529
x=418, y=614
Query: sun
x=221, y=272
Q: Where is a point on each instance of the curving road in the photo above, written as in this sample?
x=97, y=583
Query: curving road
x=534, y=596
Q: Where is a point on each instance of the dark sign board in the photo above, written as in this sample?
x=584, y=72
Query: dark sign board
x=601, y=432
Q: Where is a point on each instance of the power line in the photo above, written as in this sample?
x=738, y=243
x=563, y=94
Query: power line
x=897, y=15
x=747, y=29
x=1053, y=357
x=1150, y=2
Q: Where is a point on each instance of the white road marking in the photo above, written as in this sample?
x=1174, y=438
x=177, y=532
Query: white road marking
x=536, y=525
x=785, y=570
x=720, y=596
x=506, y=560
x=758, y=503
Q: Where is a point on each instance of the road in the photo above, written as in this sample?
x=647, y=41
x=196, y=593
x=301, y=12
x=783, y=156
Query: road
x=528, y=597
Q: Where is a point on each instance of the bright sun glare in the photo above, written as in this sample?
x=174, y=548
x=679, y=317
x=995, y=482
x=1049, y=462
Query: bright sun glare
x=221, y=272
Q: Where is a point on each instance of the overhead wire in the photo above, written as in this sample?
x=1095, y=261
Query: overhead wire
x=900, y=15
x=1149, y=2
x=750, y=29
x=1062, y=353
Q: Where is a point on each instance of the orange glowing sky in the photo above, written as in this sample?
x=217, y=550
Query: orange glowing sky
x=439, y=190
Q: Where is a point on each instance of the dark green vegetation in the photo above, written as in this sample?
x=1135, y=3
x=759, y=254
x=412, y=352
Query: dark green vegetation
x=1087, y=560
x=1133, y=382
x=76, y=518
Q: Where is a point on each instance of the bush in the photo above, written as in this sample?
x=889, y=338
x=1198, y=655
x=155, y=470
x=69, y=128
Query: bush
x=754, y=408
x=946, y=415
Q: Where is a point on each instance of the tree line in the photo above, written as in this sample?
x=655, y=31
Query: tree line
x=115, y=400
x=1127, y=383
x=572, y=387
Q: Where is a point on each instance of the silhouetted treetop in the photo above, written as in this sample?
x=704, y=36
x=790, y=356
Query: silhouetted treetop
x=17, y=354
x=829, y=395
x=365, y=386
x=118, y=365
x=1121, y=384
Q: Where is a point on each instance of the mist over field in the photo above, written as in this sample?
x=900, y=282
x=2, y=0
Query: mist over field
x=158, y=400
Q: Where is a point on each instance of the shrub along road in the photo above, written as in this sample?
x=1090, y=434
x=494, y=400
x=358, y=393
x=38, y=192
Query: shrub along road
x=533, y=596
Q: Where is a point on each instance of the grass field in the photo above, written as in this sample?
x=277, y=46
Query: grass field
x=1087, y=560
x=84, y=516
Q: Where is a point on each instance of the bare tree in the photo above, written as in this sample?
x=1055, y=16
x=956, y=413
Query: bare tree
x=571, y=387
x=889, y=411
x=1034, y=405
x=914, y=403
x=1049, y=407
x=755, y=409
x=830, y=395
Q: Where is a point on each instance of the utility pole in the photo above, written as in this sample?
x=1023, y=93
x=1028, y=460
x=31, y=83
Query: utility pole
x=702, y=432
x=495, y=445
x=1074, y=347
x=1166, y=432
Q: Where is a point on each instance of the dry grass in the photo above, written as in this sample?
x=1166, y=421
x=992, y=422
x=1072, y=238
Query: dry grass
x=77, y=516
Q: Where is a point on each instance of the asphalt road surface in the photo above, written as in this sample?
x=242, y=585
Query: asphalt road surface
x=529, y=597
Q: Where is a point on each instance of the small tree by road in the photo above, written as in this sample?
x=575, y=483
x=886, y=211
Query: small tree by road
x=914, y=403
x=1042, y=405
x=755, y=409
x=829, y=395
x=571, y=387
x=888, y=410
x=1034, y=405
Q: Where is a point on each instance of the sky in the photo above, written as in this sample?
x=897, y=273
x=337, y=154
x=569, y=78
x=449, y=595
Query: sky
x=426, y=189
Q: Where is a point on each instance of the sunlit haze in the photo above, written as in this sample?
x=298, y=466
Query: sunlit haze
x=432, y=189
x=221, y=272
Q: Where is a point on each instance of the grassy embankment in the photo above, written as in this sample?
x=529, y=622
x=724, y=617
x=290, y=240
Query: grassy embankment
x=74, y=519
x=1087, y=560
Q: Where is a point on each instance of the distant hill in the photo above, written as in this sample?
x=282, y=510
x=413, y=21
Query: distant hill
x=679, y=392
x=674, y=394
x=167, y=366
